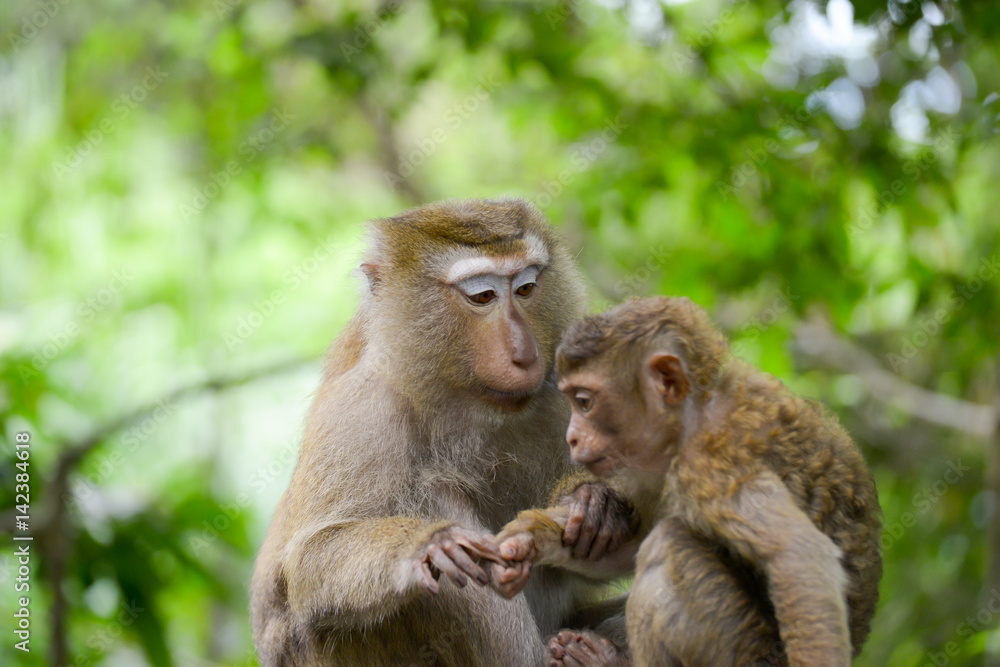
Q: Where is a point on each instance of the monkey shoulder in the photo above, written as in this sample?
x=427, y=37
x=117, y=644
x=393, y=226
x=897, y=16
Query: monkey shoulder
x=804, y=445
x=790, y=433
x=356, y=448
x=760, y=427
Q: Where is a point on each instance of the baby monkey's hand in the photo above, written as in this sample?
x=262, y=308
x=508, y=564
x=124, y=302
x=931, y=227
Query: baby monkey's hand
x=534, y=535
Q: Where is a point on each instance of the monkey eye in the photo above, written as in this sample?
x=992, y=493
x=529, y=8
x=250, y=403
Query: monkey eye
x=583, y=401
x=483, y=297
x=524, y=282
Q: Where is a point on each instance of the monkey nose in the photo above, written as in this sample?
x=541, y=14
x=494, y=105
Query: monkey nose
x=525, y=355
x=525, y=360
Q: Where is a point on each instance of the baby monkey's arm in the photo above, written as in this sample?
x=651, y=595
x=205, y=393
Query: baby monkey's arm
x=537, y=536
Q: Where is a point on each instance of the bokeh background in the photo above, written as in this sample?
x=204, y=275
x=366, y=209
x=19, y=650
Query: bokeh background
x=182, y=189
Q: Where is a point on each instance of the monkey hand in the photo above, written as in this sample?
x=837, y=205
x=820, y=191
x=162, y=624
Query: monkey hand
x=599, y=522
x=453, y=551
x=510, y=579
x=533, y=535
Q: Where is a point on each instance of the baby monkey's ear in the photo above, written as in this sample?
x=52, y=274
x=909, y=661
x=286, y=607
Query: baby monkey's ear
x=669, y=377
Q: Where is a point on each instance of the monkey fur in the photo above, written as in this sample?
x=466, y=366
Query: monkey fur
x=437, y=420
x=763, y=546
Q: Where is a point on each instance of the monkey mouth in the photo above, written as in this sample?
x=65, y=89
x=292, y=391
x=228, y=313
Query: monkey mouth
x=511, y=401
x=599, y=465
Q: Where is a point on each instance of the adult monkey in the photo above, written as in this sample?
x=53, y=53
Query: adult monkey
x=436, y=422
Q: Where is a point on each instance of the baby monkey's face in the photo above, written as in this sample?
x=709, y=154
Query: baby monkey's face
x=614, y=425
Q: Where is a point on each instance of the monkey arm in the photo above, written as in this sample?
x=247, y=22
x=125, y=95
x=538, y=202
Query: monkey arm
x=567, y=484
x=602, y=516
x=351, y=573
x=537, y=536
x=591, y=529
x=805, y=577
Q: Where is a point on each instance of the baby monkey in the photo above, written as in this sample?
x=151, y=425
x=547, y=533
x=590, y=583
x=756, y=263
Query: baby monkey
x=759, y=544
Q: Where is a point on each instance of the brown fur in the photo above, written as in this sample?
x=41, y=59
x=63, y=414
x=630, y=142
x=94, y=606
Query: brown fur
x=623, y=331
x=763, y=548
x=399, y=445
x=774, y=430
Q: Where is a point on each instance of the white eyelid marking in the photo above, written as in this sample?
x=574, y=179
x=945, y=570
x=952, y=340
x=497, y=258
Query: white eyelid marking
x=471, y=267
x=466, y=267
x=529, y=275
x=478, y=284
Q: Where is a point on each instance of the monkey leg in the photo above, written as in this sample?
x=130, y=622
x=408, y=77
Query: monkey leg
x=693, y=604
x=585, y=649
x=606, y=618
x=459, y=627
x=603, y=641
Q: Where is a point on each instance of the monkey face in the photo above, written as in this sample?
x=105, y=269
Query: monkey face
x=468, y=300
x=495, y=299
x=599, y=432
x=592, y=428
x=616, y=426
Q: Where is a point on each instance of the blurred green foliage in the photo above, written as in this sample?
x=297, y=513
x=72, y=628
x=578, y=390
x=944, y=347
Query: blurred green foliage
x=183, y=187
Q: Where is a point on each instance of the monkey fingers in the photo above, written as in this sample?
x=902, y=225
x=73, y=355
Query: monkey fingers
x=479, y=545
x=589, y=650
x=442, y=561
x=598, y=524
x=425, y=578
x=584, y=649
x=577, y=513
x=511, y=580
x=457, y=553
x=587, y=520
x=602, y=542
x=519, y=547
x=557, y=646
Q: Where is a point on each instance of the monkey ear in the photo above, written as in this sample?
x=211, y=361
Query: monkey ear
x=371, y=271
x=669, y=377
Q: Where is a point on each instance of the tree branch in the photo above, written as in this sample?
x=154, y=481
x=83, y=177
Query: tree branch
x=821, y=346
x=53, y=532
x=390, y=159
